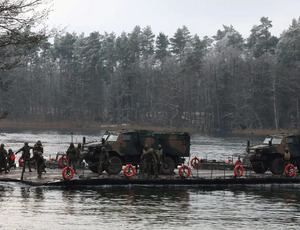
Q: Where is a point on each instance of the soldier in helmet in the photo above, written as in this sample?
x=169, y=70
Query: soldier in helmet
x=3, y=158
x=40, y=162
x=40, y=149
x=103, y=161
x=159, y=159
x=148, y=159
x=286, y=156
x=71, y=156
x=11, y=159
x=25, y=155
x=38, y=146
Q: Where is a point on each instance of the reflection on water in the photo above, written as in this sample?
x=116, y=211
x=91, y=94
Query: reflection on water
x=246, y=207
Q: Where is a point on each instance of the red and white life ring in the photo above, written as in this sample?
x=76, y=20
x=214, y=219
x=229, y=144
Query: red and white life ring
x=129, y=171
x=238, y=162
x=195, y=162
x=20, y=161
x=238, y=170
x=62, y=162
x=290, y=170
x=184, y=171
x=68, y=173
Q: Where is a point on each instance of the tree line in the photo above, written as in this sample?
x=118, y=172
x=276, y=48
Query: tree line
x=221, y=82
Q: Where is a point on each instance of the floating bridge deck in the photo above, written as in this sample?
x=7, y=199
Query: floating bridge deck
x=200, y=177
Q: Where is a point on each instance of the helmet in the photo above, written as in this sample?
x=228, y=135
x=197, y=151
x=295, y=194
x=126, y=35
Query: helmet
x=2, y=145
x=26, y=143
x=39, y=143
x=159, y=146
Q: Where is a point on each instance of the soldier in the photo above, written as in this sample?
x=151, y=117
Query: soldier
x=103, y=161
x=78, y=158
x=25, y=155
x=40, y=162
x=143, y=165
x=159, y=158
x=149, y=161
x=71, y=156
x=286, y=156
x=39, y=147
x=3, y=158
x=11, y=159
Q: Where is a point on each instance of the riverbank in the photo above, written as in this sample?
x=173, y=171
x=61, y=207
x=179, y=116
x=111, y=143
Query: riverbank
x=94, y=126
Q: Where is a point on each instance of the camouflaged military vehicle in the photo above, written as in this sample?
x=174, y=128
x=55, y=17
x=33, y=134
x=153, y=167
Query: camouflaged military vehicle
x=270, y=153
x=126, y=147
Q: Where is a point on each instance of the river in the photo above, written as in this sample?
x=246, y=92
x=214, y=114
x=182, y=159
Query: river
x=140, y=207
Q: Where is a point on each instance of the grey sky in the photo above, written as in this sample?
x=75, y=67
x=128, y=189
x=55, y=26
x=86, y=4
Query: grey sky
x=202, y=17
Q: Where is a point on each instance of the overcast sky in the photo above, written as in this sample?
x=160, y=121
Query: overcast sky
x=202, y=17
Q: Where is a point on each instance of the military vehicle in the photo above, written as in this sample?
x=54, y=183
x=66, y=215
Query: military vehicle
x=126, y=147
x=270, y=153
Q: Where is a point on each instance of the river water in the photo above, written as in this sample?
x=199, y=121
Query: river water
x=140, y=207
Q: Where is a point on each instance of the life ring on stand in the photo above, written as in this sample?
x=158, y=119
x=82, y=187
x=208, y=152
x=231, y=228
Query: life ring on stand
x=12, y=157
x=238, y=170
x=68, y=173
x=182, y=171
x=62, y=162
x=195, y=162
x=238, y=162
x=21, y=161
x=290, y=170
x=129, y=171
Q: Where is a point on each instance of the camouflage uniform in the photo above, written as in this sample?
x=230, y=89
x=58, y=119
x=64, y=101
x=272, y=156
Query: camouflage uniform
x=159, y=158
x=11, y=161
x=103, y=161
x=38, y=147
x=25, y=155
x=286, y=156
x=149, y=162
x=143, y=164
x=40, y=162
x=3, y=158
x=78, y=154
x=71, y=156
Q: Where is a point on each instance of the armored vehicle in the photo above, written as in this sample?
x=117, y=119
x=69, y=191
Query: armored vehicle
x=270, y=153
x=126, y=147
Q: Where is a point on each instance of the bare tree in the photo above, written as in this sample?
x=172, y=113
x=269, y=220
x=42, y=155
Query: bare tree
x=21, y=30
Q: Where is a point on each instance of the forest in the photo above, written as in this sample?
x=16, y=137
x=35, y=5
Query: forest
x=223, y=82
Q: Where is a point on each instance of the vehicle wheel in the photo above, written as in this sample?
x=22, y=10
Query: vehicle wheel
x=259, y=167
x=168, y=166
x=277, y=166
x=93, y=167
x=115, y=165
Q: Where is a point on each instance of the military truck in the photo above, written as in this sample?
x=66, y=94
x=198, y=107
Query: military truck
x=270, y=153
x=125, y=147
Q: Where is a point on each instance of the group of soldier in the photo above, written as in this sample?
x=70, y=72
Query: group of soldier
x=151, y=161
x=7, y=159
x=73, y=154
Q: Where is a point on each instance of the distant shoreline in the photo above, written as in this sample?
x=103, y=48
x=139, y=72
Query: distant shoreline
x=42, y=125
